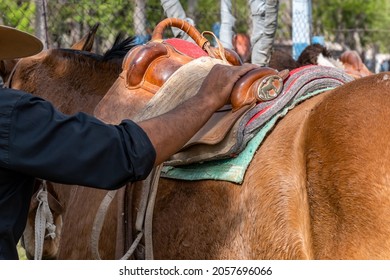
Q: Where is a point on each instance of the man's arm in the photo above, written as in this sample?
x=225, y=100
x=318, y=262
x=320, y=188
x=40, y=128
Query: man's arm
x=79, y=149
x=38, y=140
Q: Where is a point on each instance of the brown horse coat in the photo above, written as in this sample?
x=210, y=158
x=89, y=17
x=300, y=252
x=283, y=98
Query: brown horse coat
x=313, y=190
x=317, y=188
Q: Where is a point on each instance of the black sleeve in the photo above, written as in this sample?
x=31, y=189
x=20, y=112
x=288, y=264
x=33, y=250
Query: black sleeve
x=38, y=140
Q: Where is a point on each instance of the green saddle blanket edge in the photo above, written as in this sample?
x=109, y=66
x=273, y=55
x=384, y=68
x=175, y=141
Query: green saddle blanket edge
x=231, y=169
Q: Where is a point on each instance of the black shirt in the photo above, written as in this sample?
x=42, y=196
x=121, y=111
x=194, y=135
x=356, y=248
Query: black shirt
x=36, y=140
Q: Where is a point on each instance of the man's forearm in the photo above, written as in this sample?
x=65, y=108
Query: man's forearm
x=175, y=128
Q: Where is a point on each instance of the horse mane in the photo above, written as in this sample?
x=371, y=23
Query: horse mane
x=110, y=60
x=120, y=47
x=281, y=60
x=69, y=58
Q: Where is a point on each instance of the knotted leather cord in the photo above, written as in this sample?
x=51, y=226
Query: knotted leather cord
x=144, y=217
x=221, y=49
x=43, y=221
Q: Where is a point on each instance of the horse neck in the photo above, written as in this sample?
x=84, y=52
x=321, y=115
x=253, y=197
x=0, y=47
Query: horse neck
x=71, y=84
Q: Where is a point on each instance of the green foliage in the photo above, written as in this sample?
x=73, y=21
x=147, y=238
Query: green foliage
x=154, y=13
x=115, y=17
x=242, y=14
x=21, y=252
x=381, y=22
x=18, y=14
x=67, y=20
x=339, y=20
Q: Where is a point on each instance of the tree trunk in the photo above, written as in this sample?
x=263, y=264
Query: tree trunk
x=40, y=22
x=140, y=18
x=192, y=4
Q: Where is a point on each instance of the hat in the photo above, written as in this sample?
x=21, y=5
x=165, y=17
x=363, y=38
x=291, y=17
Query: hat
x=16, y=44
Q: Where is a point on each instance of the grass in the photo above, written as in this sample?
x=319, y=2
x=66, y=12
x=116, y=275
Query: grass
x=21, y=252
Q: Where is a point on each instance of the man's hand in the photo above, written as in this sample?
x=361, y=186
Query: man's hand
x=218, y=84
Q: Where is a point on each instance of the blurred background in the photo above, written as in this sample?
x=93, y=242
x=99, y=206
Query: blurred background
x=360, y=25
x=340, y=25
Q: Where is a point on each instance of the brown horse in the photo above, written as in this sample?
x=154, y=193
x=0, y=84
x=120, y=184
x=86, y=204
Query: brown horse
x=312, y=191
x=84, y=44
x=58, y=64
x=317, y=188
x=299, y=199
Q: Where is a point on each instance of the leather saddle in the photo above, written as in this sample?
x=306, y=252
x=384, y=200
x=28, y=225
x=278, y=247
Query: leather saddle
x=147, y=67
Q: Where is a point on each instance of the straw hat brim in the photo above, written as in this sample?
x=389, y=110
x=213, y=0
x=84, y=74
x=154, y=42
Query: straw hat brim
x=17, y=44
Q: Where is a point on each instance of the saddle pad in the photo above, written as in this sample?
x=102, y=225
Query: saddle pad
x=232, y=169
x=234, y=138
